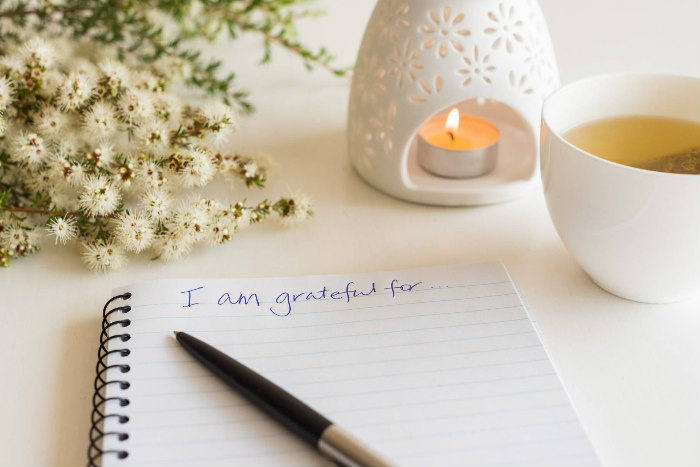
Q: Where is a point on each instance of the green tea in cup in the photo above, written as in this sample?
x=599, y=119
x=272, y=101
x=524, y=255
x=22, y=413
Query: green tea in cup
x=645, y=142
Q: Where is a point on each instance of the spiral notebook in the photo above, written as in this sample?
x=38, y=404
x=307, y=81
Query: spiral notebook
x=435, y=366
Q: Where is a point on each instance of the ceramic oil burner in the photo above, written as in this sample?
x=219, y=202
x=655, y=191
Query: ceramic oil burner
x=418, y=60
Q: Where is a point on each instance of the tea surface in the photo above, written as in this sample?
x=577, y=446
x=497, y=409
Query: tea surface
x=645, y=142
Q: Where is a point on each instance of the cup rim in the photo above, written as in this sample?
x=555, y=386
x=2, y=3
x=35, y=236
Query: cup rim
x=547, y=103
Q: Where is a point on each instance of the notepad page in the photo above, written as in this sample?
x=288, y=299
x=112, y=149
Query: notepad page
x=431, y=367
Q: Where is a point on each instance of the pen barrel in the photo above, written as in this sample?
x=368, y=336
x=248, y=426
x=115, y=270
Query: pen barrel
x=277, y=402
x=347, y=450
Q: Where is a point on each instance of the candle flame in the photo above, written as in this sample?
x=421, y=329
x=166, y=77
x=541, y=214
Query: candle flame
x=452, y=122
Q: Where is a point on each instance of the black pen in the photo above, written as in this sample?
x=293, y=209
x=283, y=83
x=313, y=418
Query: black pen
x=313, y=427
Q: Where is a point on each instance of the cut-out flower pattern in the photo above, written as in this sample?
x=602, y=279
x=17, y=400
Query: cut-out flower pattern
x=361, y=133
x=536, y=56
x=426, y=89
x=392, y=19
x=477, y=67
x=382, y=130
x=404, y=64
x=444, y=30
x=506, y=27
x=519, y=83
x=368, y=80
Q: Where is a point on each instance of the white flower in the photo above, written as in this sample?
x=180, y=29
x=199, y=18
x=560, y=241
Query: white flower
x=50, y=82
x=99, y=120
x=38, y=54
x=134, y=232
x=135, y=106
x=153, y=135
x=243, y=219
x=28, y=148
x=216, y=112
x=40, y=182
x=222, y=229
x=57, y=166
x=85, y=67
x=18, y=241
x=7, y=93
x=145, y=80
x=69, y=145
x=102, y=155
x=63, y=169
x=229, y=165
x=75, y=91
x=210, y=207
x=99, y=196
x=189, y=221
x=3, y=126
x=12, y=66
x=156, y=203
x=197, y=169
x=250, y=169
x=63, y=228
x=51, y=121
x=218, y=118
x=150, y=175
x=125, y=173
x=172, y=246
x=76, y=175
x=101, y=256
x=168, y=108
x=299, y=211
x=115, y=73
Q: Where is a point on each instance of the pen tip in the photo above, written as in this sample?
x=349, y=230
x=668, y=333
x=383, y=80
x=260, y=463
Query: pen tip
x=176, y=333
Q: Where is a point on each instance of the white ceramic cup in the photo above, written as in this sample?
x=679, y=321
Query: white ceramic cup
x=635, y=232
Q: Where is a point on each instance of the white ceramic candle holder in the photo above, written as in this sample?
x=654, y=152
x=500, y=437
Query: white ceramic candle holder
x=420, y=58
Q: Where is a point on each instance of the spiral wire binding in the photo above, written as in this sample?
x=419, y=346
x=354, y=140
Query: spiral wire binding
x=99, y=401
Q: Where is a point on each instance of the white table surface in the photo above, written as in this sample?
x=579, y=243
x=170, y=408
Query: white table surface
x=632, y=370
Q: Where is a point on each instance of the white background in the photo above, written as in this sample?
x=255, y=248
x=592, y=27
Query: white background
x=632, y=370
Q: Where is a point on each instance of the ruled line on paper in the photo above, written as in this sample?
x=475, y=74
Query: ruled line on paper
x=438, y=434
x=291, y=341
x=324, y=324
x=361, y=408
x=357, y=378
x=341, y=336
x=427, y=453
x=263, y=419
x=524, y=443
x=379, y=391
x=356, y=363
x=303, y=450
x=284, y=434
x=585, y=453
x=461, y=416
x=390, y=346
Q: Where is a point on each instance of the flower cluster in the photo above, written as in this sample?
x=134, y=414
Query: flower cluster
x=100, y=152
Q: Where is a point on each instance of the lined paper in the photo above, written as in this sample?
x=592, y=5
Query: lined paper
x=434, y=366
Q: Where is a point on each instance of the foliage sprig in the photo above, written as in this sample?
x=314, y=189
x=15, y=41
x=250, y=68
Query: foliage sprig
x=149, y=31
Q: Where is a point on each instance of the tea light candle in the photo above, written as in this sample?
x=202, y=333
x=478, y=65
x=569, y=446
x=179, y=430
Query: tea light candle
x=458, y=146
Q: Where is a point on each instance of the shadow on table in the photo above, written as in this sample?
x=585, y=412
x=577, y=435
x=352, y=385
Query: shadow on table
x=72, y=398
x=319, y=165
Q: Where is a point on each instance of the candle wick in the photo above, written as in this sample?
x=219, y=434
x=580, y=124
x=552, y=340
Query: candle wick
x=451, y=135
